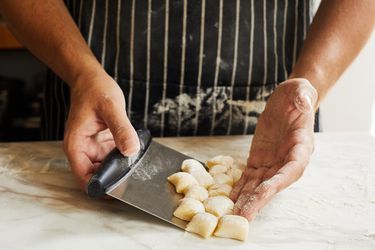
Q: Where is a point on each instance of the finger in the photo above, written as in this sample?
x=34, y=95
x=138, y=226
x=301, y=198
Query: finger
x=253, y=181
x=256, y=200
x=288, y=174
x=297, y=159
x=82, y=168
x=75, y=148
x=124, y=135
x=271, y=172
x=300, y=153
x=96, y=166
x=85, y=156
x=299, y=137
x=239, y=185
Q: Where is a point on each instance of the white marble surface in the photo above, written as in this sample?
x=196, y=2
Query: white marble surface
x=331, y=207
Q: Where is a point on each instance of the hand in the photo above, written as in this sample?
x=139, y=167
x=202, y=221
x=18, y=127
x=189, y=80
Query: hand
x=281, y=147
x=97, y=123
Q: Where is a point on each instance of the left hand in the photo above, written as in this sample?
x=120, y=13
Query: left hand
x=281, y=148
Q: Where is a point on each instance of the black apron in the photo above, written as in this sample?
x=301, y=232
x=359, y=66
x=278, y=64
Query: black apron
x=187, y=67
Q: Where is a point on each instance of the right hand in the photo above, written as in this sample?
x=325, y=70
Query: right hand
x=97, y=122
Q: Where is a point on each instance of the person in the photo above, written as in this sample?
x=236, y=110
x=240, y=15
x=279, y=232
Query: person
x=191, y=68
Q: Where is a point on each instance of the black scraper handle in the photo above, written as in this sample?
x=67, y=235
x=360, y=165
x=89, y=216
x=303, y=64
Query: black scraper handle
x=115, y=166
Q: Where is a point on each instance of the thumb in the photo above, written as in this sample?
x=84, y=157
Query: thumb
x=306, y=96
x=124, y=134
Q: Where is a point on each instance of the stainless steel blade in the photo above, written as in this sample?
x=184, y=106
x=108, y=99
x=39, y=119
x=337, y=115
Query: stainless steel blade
x=146, y=186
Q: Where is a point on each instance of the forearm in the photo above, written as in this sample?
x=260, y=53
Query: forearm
x=48, y=31
x=339, y=31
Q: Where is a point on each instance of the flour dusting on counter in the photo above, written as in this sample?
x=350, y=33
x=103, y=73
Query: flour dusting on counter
x=331, y=207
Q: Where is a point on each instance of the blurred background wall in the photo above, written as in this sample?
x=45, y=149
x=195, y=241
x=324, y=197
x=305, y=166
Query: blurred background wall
x=350, y=106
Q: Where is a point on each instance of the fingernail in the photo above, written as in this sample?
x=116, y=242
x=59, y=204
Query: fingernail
x=130, y=151
x=130, y=147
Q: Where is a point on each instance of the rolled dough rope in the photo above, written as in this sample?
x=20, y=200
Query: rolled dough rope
x=219, y=190
x=182, y=181
x=232, y=226
x=220, y=160
x=218, y=169
x=219, y=205
x=223, y=179
x=197, y=192
x=203, y=224
x=188, y=208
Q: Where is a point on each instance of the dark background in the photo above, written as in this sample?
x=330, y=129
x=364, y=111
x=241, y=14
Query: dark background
x=22, y=79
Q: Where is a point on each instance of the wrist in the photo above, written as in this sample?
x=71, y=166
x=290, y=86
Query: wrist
x=90, y=70
x=88, y=78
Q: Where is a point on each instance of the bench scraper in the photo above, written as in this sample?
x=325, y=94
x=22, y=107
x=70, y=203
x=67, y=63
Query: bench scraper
x=141, y=180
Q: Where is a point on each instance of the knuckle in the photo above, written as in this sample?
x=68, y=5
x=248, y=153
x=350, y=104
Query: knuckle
x=105, y=103
x=119, y=131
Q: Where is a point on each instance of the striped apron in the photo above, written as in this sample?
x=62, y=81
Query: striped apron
x=187, y=68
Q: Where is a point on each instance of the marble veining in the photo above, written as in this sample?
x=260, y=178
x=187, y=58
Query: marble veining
x=331, y=207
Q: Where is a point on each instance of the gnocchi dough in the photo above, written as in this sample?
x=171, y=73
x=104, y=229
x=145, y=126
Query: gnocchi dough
x=192, y=165
x=203, y=224
x=197, y=192
x=196, y=169
x=188, y=208
x=235, y=173
x=203, y=177
x=219, y=190
x=223, y=179
x=218, y=169
x=232, y=226
x=182, y=181
x=219, y=205
x=206, y=204
x=220, y=160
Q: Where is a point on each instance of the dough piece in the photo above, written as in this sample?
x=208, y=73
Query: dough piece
x=197, y=192
x=203, y=177
x=232, y=226
x=182, y=181
x=235, y=173
x=188, y=208
x=203, y=224
x=220, y=160
x=219, y=190
x=223, y=179
x=218, y=169
x=196, y=169
x=219, y=205
x=190, y=165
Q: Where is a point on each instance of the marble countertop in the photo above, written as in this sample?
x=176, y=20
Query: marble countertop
x=331, y=207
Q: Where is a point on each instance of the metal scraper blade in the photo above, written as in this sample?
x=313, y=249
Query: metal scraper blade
x=146, y=186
